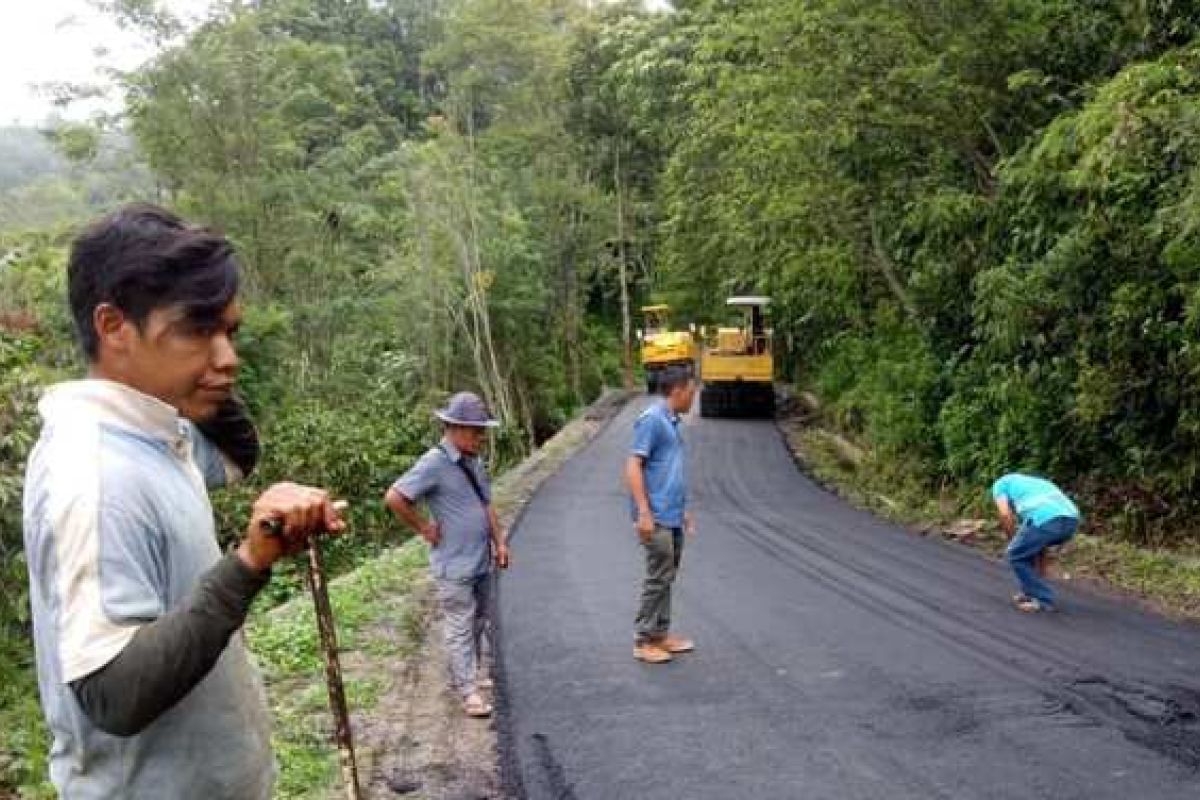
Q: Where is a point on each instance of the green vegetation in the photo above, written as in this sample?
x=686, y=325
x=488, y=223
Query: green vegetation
x=30, y=356
x=379, y=613
x=1169, y=579
x=1166, y=578
x=979, y=221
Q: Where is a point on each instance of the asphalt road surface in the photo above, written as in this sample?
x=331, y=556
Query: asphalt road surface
x=838, y=657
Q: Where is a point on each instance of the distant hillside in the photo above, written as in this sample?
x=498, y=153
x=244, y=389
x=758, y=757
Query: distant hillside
x=40, y=187
x=25, y=156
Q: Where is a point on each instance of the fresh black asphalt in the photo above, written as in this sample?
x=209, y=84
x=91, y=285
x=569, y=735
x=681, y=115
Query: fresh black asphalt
x=838, y=656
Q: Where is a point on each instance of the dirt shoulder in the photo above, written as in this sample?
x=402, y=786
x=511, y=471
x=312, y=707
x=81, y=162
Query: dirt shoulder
x=1166, y=581
x=411, y=737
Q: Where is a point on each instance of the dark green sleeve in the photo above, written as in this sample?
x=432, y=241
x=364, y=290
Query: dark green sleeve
x=167, y=658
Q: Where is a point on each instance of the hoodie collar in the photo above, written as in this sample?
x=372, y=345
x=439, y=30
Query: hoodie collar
x=115, y=404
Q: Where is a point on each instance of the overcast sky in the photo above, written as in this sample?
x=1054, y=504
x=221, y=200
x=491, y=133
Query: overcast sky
x=57, y=40
x=44, y=41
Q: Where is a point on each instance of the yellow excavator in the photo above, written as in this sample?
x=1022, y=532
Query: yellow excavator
x=663, y=347
x=737, y=365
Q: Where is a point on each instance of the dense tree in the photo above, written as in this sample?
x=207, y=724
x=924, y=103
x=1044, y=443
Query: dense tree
x=971, y=215
x=978, y=220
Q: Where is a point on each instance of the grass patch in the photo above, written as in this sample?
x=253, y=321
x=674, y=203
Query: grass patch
x=375, y=611
x=1170, y=579
x=897, y=491
x=25, y=741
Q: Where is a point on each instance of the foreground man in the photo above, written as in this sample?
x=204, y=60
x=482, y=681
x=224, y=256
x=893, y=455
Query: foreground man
x=1047, y=518
x=657, y=476
x=146, y=688
x=465, y=538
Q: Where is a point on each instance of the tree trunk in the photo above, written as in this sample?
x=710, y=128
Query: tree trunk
x=622, y=267
x=571, y=311
x=478, y=296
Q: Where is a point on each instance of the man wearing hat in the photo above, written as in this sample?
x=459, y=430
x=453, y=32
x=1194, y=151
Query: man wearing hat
x=464, y=536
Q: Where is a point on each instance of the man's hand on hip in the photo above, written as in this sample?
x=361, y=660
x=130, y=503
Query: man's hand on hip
x=431, y=533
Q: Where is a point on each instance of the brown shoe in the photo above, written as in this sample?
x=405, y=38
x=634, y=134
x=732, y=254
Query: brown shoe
x=676, y=644
x=651, y=653
x=475, y=706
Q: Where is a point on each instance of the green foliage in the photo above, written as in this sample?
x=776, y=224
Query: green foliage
x=25, y=743
x=978, y=221
x=25, y=156
x=1086, y=328
x=378, y=613
x=31, y=354
x=886, y=387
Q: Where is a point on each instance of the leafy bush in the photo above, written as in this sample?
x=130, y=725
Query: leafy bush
x=886, y=387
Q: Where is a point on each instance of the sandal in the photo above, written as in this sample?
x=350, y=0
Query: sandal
x=475, y=706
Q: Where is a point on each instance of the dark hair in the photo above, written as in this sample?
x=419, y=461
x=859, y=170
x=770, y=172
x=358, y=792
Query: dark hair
x=143, y=257
x=672, y=377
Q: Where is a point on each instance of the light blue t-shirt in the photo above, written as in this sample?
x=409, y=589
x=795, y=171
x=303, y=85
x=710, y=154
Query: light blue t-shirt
x=437, y=479
x=658, y=442
x=118, y=531
x=1034, y=500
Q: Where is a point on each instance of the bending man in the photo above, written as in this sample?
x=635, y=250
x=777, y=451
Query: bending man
x=1046, y=518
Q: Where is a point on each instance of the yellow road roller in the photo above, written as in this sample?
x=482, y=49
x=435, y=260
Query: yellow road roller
x=737, y=364
x=663, y=347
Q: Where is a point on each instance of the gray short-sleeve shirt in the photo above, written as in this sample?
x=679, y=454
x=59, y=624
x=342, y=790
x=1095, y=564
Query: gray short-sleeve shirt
x=118, y=530
x=464, y=551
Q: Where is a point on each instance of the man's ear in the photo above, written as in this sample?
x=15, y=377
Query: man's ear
x=114, y=330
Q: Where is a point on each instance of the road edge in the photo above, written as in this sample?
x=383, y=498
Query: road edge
x=577, y=435
x=983, y=536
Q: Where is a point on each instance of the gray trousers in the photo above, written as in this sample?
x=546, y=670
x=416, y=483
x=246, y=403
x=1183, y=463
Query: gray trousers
x=467, y=622
x=663, y=554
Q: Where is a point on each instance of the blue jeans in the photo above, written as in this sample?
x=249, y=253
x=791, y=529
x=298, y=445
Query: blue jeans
x=1030, y=541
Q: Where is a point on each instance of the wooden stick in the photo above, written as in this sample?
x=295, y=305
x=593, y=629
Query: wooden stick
x=317, y=586
x=333, y=670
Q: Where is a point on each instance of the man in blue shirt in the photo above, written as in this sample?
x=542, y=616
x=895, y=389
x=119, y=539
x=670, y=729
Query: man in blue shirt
x=1047, y=518
x=465, y=539
x=657, y=476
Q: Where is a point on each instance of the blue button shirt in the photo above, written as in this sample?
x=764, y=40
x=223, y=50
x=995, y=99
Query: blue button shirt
x=464, y=552
x=1034, y=500
x=657, y=441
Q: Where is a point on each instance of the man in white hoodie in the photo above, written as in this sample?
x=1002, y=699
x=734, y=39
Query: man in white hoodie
x=146, y=686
